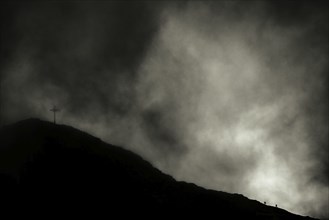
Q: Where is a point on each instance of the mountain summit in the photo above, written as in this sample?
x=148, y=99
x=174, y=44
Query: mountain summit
x=57, y=168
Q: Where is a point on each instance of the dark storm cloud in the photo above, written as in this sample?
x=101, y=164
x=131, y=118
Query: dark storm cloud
x=231, y=95
x=79, y=46
x=164, y=136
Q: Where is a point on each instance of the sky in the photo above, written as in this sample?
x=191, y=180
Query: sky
x=230, y=95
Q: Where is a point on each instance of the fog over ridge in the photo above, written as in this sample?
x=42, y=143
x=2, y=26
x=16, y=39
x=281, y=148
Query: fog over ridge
x=229, y=95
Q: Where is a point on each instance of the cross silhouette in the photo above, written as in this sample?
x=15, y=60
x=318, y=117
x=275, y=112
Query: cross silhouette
x=55, y=109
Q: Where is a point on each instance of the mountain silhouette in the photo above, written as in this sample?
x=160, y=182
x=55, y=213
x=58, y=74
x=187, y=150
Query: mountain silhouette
x=59, y=169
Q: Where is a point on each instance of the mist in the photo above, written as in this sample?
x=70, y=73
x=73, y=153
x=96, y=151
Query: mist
x=229, y=95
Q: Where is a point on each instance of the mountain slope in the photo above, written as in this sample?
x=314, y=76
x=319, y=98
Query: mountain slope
x=58, y=168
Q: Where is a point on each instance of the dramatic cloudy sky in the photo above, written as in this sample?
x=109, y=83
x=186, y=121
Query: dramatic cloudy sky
x=229, y=95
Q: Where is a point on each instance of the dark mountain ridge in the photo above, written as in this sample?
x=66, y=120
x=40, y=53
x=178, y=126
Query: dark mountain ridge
x=57, y=169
